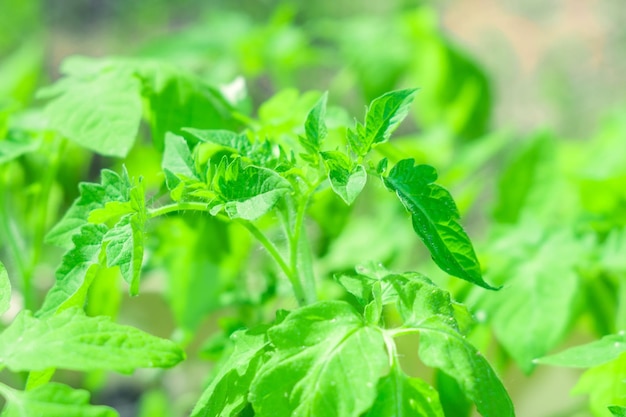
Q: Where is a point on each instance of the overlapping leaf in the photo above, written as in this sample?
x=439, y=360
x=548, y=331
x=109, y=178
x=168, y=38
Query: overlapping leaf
x=591, y=354
x=383, y=116
x=227, y=393
x=326, y=362
x=247, y=192
x=435, y=219
x=315, y=126
x=52, y=400
x=112, y=188
x=346, y=178
x=72, y=340
x=403, y=396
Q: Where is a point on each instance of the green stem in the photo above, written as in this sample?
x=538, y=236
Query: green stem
x=291, y=273
x=175, y=207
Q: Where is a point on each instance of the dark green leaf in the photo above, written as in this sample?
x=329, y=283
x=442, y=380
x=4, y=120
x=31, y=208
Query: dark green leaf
x=402, y=396
x=346, y=178
x=617, y=410
x=326, y=362
x=315, y=126
x=435, y=219
x=52, y=400
x=227, y=393
x=383, y=116
x=72, y=340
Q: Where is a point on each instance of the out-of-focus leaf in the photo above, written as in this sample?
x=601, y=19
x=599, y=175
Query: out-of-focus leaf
x=435, y=219
x=592, y=354
x=326, y=362
x=5, y=290
x=17, y=143
x=538, y=269
x=99, y=108
x=52, y=400
x=605, y=386
x=72, y=340
x=617, y=411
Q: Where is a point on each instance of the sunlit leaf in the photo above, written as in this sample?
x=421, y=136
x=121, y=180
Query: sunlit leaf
x=346, y=178
x=52, y=400
x=326, y=362
x=72, y=340
x=435, y=219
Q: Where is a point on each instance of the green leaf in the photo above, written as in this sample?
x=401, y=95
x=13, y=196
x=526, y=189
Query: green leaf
x=5, y=290
x=444, y=348
x=99, y=108
x=178, y=99
x=17, y=143
x=177, y=161
x=617, y=410
x=112, y=187
x=539, y=270
x=125, y=241
x=227, y=393
x=315, y=126
x=326, y=362
x=76, y=272
x=591, y=354
x=605, y=385
x=383, y=116
x=435, y=219
x=71, y=340
x=237, y=142
x=52, y=400
x=346, y=179
x=250, y=192
x=402, y=396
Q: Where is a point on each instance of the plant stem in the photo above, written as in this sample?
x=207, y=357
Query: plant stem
x=173, y=208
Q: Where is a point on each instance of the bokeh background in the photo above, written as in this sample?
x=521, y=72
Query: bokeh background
x=483, y=66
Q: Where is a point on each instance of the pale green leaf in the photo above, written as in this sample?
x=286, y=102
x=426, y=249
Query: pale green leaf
x=112, y=187
x=99, y=109
x=326, y=362
x=76, y=272
x=17, y=143
x=346, y=178
x=52, y=400
x=72, y=340
x=435, y=219
x=227, y=393
x=5, y=290
x=177, y=161
x=591, y=354
x=250, y=192
x=402, y=396
x=444, y=348
x=532, y=313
